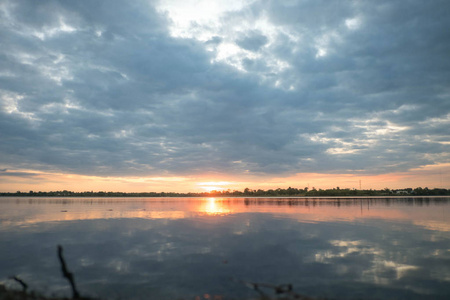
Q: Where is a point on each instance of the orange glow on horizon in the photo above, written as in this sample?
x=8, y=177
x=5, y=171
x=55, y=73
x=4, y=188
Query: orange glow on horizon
x=213, y=185
x=432, y=176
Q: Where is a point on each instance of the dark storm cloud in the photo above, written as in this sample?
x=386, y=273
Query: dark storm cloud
x=103, y=88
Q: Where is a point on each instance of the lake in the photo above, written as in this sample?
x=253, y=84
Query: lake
x=213, y=248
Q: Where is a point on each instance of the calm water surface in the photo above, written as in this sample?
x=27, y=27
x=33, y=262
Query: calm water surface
x=172, y=248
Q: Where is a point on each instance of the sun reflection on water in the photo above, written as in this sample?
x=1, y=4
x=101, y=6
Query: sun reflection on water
x=23, y=212
x=213, y=207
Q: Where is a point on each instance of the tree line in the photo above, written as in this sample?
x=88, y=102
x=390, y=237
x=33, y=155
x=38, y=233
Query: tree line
x=279, y=192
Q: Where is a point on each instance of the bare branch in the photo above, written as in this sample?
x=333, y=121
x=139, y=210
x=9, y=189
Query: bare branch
x=67, y=274
x=285, y=289
x=21, y=282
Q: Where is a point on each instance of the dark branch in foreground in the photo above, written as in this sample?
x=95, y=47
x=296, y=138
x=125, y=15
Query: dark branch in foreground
x=21, y=282
x=67, y=274
x=285, y=291
x=282, y=289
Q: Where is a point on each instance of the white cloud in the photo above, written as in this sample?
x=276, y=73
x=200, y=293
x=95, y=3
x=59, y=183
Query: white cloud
x=186, y=15
x=353, y=23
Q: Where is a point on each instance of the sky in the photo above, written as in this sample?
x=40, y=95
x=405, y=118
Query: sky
x=197, y=95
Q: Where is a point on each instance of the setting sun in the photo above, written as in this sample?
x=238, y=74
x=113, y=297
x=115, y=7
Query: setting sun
x=213, y=185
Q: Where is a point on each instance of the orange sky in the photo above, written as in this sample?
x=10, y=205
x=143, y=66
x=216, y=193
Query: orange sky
x=429, y=176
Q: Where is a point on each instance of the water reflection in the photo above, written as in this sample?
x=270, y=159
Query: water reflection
x=214, y=207
x=17, y=211
x=173, y=248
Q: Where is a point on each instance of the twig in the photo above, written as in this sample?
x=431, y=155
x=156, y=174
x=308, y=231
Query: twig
x=285, y=289
x=21, y=282
x=67, y=274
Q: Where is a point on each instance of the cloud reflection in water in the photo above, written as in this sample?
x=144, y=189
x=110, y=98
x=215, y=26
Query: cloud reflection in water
x=136, y=248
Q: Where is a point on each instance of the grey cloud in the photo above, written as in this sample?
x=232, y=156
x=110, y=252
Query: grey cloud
x=17, y=174
x=252, y=41
x=255, y=65
x=306, y=13
x=120, y=96
x=214, y=41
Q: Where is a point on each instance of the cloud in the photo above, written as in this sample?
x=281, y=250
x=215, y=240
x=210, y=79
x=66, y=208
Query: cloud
x=17, y=174
x=252, y=41
x=110, y=89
